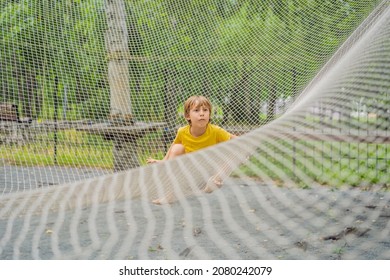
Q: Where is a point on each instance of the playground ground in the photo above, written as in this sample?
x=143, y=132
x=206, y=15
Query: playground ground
x=240, y=221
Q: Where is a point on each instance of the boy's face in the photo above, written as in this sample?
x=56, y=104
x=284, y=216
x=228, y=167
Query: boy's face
x=199, y=116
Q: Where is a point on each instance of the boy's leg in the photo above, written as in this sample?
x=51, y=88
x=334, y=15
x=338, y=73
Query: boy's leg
x=213, y=183
x=174, y=151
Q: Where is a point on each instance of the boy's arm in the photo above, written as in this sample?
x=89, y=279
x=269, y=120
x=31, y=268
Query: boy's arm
x=167, y=154
x=152, y=160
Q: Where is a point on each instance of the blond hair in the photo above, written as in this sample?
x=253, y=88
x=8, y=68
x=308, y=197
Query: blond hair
x=196, y=101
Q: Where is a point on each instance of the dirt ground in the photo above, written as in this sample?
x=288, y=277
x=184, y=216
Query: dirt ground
x=240, y=221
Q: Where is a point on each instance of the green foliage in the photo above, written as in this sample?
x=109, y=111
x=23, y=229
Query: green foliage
x=45, y=40
x=40, y=46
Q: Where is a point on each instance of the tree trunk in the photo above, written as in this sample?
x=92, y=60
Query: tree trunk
x=30, y=91
x=124, y=149
x=271, y=104
x=170, y=109
x=118, y=66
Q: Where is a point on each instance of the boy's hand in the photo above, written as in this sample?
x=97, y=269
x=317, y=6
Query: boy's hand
x=152, y=160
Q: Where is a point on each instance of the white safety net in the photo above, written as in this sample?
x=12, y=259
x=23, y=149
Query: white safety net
x=90, y=89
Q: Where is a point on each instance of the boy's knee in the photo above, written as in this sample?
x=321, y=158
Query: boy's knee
x=177, y=150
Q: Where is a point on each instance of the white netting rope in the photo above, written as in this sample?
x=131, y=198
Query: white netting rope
x=287, y=184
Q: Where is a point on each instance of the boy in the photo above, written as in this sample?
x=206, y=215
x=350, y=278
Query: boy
x=198, y=134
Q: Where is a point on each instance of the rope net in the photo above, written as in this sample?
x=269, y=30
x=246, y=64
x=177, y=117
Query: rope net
x=90, y=89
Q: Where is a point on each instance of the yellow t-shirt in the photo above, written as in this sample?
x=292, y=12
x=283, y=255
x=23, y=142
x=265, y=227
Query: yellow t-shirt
x=213, y=135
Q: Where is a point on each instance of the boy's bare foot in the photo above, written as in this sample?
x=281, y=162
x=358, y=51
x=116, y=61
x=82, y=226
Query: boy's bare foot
x=164, y=200
x=213, y=183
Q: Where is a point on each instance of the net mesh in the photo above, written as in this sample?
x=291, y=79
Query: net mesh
x=91, y=89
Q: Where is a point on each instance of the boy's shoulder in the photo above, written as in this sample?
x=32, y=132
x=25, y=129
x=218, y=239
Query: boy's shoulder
x=183, y=128
x=215, y=127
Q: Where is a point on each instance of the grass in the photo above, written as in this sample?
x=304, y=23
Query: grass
x=332, y=164
x=302, y=162
x=76, y=149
